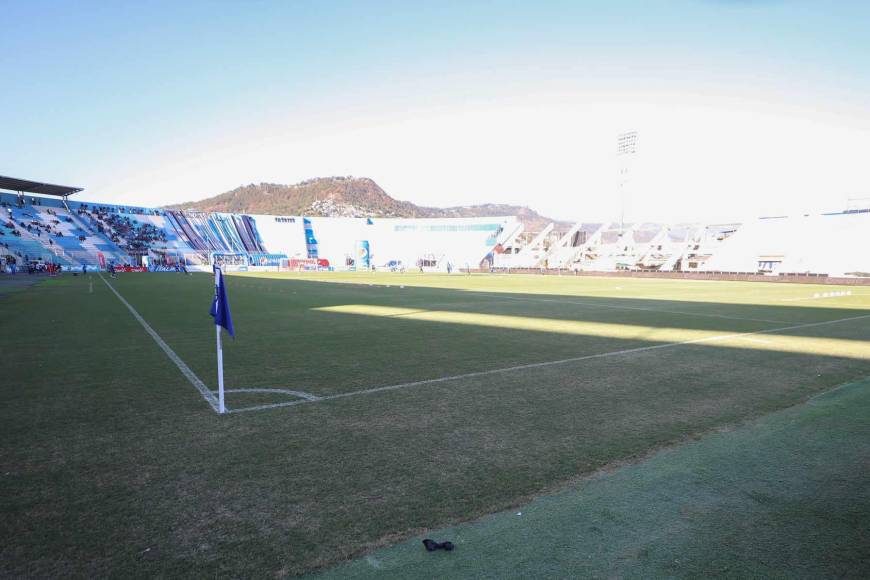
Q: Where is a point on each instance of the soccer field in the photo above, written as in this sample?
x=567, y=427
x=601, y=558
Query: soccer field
x=365, y=408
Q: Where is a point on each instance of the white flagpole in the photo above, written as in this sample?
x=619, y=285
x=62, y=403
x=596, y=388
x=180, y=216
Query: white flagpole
x=220, y=362
x=220, y=352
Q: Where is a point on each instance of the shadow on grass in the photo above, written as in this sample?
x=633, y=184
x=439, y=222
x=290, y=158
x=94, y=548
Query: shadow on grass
x=722, y=316
x=287, y=340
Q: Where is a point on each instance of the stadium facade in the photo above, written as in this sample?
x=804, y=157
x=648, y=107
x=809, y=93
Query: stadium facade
x=75, y=234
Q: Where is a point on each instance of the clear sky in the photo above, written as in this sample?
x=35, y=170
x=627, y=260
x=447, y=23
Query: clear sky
x=743, y=108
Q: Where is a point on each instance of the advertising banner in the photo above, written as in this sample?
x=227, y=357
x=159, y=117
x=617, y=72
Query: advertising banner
x=363, y=260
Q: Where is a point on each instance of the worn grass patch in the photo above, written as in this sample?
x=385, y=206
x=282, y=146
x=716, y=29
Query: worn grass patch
x=786, y=495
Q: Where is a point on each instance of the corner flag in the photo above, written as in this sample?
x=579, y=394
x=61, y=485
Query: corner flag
x=220, y=311
x=220, y=306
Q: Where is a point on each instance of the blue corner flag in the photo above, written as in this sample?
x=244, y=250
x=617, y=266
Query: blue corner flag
x=220, y=306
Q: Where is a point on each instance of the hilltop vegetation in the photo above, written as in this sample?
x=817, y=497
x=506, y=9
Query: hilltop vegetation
x=345, y=197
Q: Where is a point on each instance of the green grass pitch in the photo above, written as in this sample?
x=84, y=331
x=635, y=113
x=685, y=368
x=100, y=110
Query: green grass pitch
x=433, y=400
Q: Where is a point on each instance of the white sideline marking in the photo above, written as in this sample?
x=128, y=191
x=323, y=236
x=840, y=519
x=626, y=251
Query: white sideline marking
x=817, y=296
x=185, y=370
x=835, y=389
x=623, y=307
x=547, y=363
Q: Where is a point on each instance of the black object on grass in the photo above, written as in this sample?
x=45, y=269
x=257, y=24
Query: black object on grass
x=432, y=545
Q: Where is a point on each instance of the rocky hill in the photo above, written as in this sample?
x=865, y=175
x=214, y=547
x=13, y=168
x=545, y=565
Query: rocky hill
x=346, y=197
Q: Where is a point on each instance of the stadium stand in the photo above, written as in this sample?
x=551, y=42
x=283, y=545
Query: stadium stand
x=76, y=234
x=39, y=224
x=833, y=244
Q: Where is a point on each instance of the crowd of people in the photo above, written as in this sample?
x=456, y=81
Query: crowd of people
x=138, y=236
x=36, y=227
x=14, y=264
x=9, y=255
x=45, y=224
x=107, y=209
x=21, y=202
x=111, y=221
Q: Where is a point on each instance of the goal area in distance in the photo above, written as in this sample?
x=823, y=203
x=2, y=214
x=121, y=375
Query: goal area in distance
x=229, y=261
x=242, y=261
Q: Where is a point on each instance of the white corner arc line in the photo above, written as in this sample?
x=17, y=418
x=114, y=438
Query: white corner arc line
x=185, y=370
x=547, y=363
x=300, y=394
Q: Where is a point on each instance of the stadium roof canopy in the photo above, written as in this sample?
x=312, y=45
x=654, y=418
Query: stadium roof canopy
x=27, y=186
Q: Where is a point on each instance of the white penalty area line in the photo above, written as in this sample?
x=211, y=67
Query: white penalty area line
x=185, y=370
x=627, y=351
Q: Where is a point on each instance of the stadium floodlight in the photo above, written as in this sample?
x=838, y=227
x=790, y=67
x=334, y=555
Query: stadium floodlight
x=626, y=143
x=626, y=149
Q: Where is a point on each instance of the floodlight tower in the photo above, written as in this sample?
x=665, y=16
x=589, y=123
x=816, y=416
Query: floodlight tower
x=626, y=150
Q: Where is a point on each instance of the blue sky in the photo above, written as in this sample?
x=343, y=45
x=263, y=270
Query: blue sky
x=759, y=107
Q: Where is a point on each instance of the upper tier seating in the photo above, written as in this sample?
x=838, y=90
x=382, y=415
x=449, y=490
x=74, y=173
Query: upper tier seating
x=47, y=231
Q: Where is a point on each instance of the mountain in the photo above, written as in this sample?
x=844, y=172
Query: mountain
x=347, y=197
